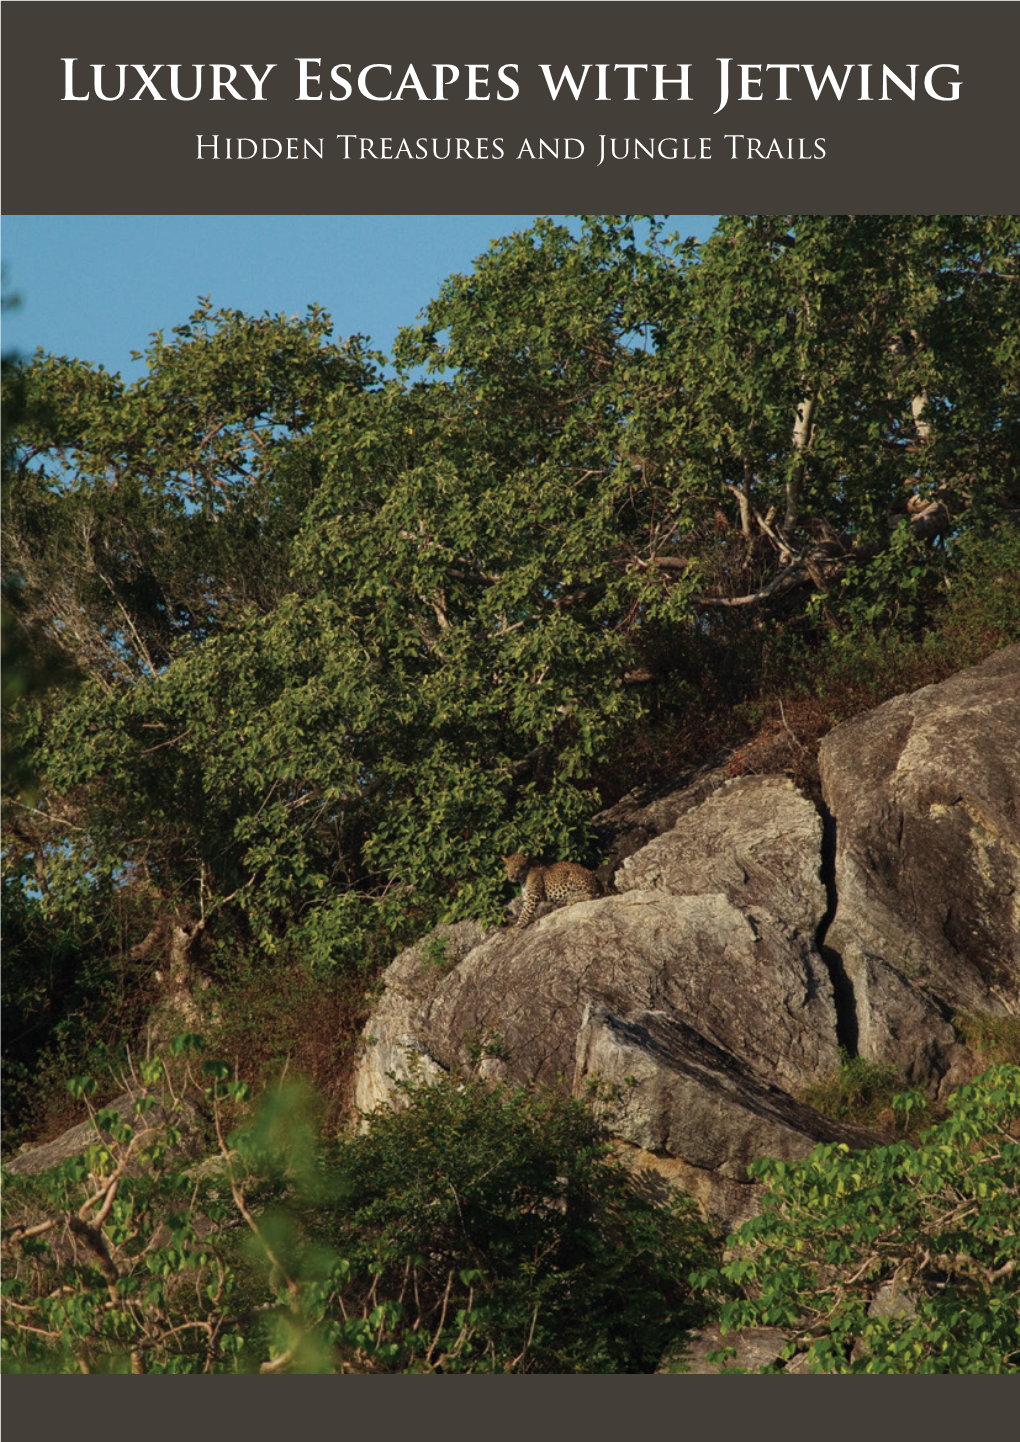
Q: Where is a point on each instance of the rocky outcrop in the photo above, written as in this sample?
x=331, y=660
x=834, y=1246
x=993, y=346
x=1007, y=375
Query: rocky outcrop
x=696, y=994
x=77, y=1139
x=925, y=792
x=393, y=1037
x=647, y=812
x=749, y=937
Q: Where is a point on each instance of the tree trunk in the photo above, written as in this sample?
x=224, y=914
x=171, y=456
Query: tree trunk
x=802, y=432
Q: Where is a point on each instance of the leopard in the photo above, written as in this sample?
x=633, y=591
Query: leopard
x=563, y=881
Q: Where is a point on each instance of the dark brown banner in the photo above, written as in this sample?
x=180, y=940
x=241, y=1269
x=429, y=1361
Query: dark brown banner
x=397, y=107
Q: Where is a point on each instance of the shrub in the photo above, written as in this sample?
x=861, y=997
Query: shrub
x=998, y=1036
x=486, y=1228
x=477, y=1229
x=901, y=1259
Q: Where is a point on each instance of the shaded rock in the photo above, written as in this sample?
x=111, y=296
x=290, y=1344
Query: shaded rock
x=756, y=839
x=717, y=1196
x=647, y=812
x=925, y=791
x=76, y=1139
x=754, y=1348
x=891, y=1301
x=681, y=1097
x=896, y=1022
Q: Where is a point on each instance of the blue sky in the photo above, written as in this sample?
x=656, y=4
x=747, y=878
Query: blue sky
x=97, y=286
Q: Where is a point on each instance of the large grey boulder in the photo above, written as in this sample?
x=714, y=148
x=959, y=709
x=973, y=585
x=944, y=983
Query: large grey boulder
x=756, y=840
x=747, y=940
x=697, y=994
x=748, y=986
x=925, y=791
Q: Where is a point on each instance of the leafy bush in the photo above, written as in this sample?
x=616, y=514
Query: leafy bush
x=477, y=1228
x=507, y=1209
x=115, y=1260
x=905, y=1258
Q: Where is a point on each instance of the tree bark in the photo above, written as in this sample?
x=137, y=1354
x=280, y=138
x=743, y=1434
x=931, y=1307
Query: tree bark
x=802, y=432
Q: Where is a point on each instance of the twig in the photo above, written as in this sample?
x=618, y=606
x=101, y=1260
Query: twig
x=442, y=1320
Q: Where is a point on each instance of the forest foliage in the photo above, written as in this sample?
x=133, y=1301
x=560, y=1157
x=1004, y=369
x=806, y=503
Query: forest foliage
x=299, y=638
x=901, y=1259
x=339, y=637
x=482, y=1228
x=473, y=1229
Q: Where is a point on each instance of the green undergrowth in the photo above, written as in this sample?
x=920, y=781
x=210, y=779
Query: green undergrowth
x=473, y=1228
x=479, y=1227
x=901, y=1259
x=863, y=1092
x=996, y=1037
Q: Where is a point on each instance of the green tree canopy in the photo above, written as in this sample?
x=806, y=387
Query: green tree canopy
x=341, y=638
